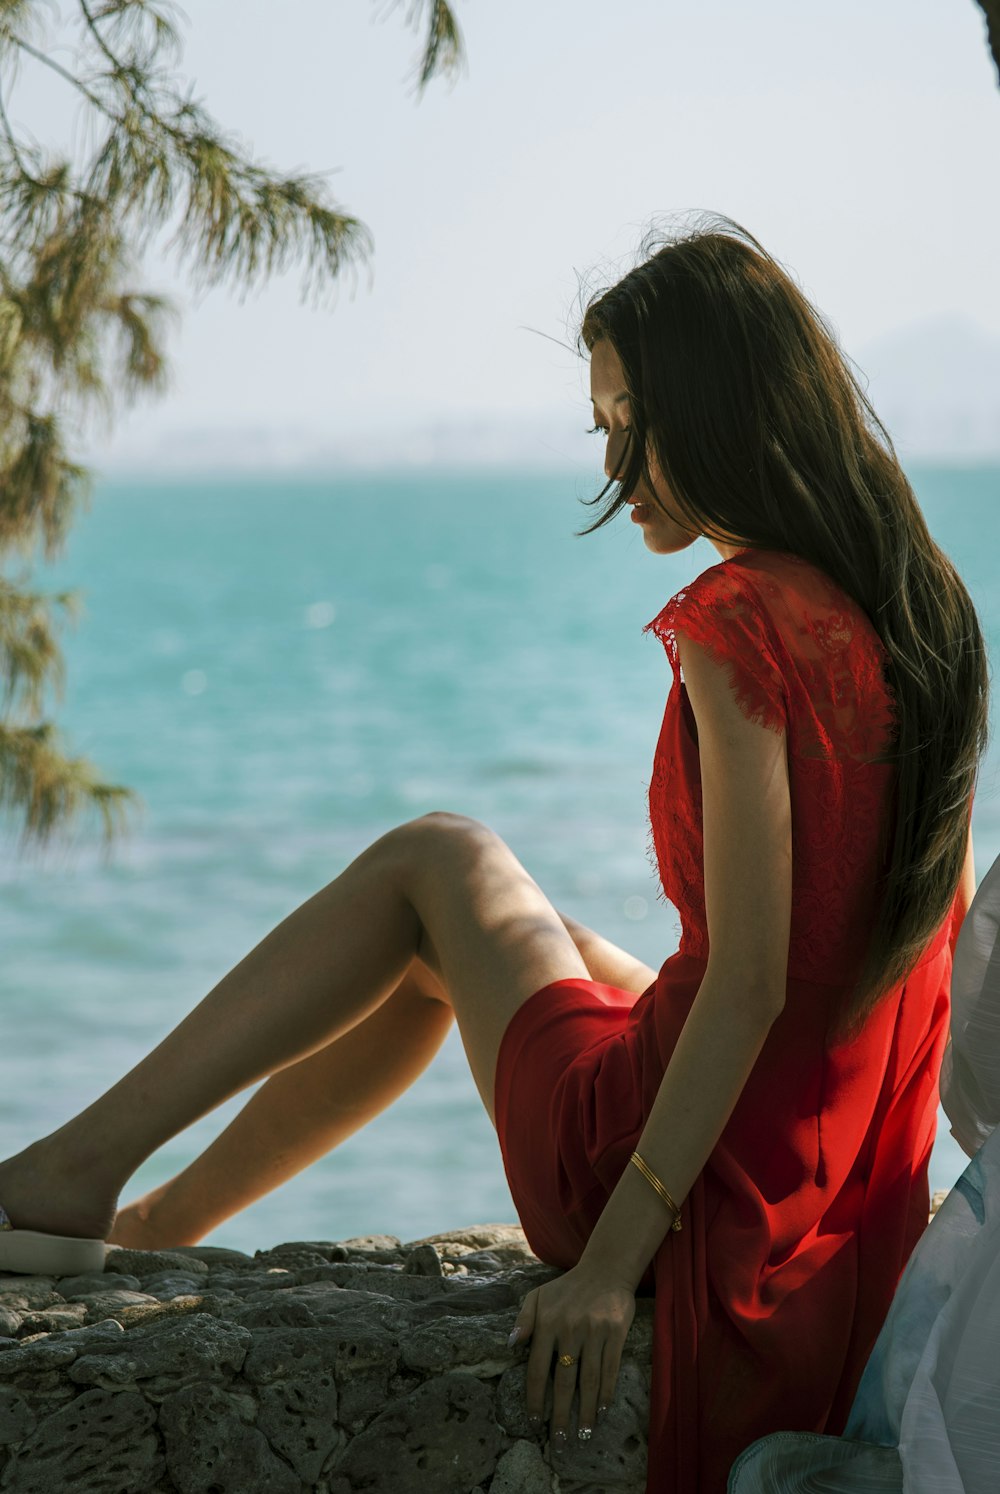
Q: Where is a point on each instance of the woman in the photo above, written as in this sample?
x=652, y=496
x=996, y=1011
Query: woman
x=810, y=807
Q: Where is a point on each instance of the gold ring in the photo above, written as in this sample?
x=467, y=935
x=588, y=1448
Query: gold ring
x=566, y=1359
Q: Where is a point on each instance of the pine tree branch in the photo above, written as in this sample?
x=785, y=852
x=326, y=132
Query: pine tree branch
x=134, y=316
x=41, y=486
x=242, y=223
x=30, y=657
x=57, y=67
x=73, y=332
x=443, y=51
x=12, y=12
x=15, y=149
x=52, y=791
x=99, y=39
x=122, y=13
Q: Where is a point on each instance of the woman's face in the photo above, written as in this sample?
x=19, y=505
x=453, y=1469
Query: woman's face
x=661, y=533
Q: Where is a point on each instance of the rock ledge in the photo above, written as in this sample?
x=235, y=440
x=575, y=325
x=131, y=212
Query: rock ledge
x=362, y=1366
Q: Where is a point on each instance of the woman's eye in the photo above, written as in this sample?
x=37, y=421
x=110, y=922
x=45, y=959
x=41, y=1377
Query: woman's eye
x=597, y=430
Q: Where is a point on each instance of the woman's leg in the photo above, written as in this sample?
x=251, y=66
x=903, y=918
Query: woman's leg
x=442, y=888
x=606, y=962
x=298, y=1115
x=309, y=1108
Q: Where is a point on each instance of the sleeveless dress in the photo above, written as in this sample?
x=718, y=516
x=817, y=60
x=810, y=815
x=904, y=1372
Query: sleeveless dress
x=768, y=1301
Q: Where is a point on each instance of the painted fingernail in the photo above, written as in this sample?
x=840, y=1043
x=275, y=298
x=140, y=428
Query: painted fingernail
x=583, y=1433
x=559, y=1437
x=534, y=1422
x=601, y=1410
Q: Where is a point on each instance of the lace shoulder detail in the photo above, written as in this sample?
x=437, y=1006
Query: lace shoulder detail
x=719, y=611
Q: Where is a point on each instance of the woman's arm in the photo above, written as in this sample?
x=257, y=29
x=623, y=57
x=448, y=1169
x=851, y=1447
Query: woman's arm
x=748, y=896
x=966, y=891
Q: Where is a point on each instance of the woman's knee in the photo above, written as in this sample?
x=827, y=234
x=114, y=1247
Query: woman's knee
x=427, y=843
x=440, y=831
x=446, y=822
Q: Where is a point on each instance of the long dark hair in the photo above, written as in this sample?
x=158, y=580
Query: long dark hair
x=762, y=431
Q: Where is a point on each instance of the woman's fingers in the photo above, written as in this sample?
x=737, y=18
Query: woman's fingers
x=564, y=1388
x=580, y=1318
x=537, y=1377
x=589, y=1384
x=610, y=1368
x=583, y=1376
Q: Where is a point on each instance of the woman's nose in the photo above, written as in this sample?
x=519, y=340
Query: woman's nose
x=614, y=457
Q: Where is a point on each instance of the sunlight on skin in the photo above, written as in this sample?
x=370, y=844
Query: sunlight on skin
x=662, y=534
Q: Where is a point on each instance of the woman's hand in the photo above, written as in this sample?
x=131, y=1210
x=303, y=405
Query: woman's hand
x=587, y=1314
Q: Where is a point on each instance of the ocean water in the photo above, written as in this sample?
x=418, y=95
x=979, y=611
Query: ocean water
x=284, y=668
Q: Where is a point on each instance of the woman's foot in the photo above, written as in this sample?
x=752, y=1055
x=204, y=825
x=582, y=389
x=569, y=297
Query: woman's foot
x=41, y=1190
x=136, y=1227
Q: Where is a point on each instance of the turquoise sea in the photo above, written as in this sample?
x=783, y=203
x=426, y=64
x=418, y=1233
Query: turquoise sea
x=286, y=667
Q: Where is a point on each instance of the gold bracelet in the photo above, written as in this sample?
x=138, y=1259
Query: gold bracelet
x=651, y=1177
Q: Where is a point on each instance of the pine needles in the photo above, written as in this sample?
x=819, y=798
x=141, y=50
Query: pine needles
x=76, y=331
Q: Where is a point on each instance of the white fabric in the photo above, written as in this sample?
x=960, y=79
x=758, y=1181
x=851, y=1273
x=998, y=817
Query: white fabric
x=970, y=1072
x=926, y=1418
x=932, y=1384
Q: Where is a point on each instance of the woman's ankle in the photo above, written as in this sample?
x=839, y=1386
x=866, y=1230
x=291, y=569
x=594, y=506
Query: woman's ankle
x=40, y=1193
x=145, y=1223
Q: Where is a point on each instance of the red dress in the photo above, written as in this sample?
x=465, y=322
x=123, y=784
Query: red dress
x=796, y=1232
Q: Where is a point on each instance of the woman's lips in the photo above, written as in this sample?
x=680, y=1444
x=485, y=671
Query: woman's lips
x=640, y=512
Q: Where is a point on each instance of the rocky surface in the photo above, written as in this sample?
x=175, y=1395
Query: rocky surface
x=362, y=1366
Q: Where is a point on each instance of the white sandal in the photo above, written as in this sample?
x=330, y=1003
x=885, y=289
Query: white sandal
x=31, y=1253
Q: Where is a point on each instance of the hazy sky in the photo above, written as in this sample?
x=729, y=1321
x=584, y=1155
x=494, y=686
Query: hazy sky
x=857, y=141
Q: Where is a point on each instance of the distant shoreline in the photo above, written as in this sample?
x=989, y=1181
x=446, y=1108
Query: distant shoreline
x=148, y=472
